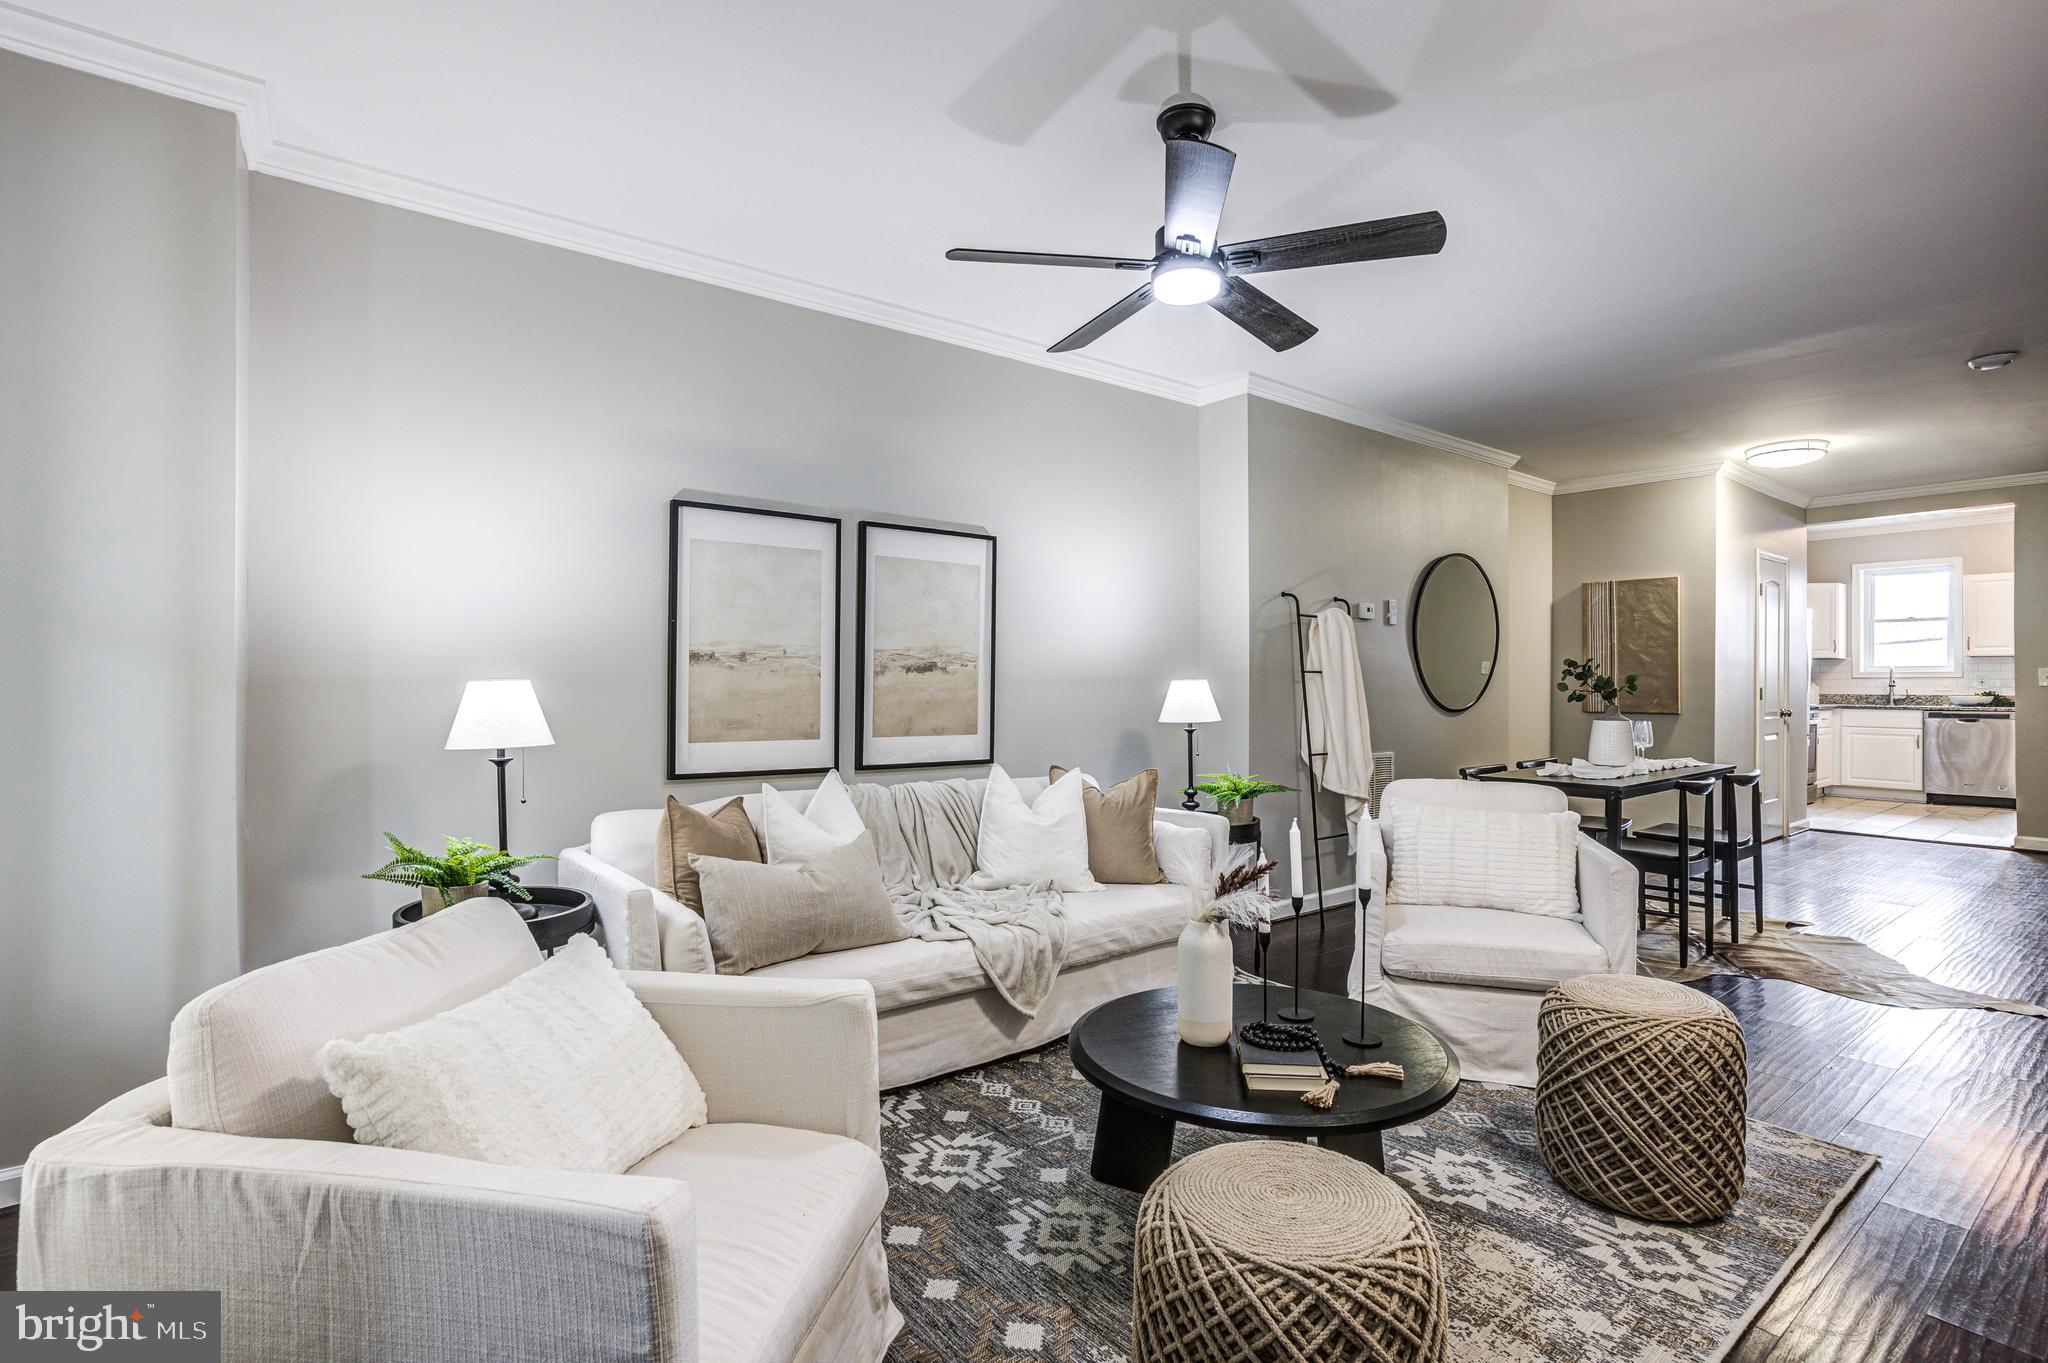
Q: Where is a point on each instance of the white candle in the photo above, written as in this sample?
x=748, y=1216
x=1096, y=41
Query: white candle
x=1294, y=858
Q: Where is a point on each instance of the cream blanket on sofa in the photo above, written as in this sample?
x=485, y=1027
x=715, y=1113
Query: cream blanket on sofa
x=925, y=834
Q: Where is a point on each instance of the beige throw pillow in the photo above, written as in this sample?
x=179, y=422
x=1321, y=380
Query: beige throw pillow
x=758, y=915
x=727, y=833
x=1120, y=850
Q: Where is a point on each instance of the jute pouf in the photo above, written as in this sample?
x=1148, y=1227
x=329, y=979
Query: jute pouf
x=1641, y=1096
x=1269, y=1250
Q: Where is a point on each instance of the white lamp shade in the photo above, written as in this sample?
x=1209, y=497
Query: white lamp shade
x=1189, y=702
x=499, y=714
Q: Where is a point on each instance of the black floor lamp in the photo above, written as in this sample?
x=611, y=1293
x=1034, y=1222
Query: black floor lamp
x=499, y=714
x=1189, y=702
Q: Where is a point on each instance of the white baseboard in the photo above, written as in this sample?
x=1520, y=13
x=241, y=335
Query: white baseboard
x=1335, y=897
x=1897, y=797
x=2029, y=844
x=10, y=1186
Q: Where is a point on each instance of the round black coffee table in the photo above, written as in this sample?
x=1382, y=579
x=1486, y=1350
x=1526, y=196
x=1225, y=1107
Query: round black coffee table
x=1150, y=1079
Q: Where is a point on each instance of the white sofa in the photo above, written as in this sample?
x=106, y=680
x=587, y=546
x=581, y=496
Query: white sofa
x=938, y=1011
x=754, y=1239
x=1478, y=976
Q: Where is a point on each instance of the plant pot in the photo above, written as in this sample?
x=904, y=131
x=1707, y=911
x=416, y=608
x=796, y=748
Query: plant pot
x=434, y=899
x=1613, y=740
x=1239, y=813
x=1204, y=969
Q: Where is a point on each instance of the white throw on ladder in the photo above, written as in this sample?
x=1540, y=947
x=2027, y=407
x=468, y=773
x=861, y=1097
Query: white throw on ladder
x=1338, y=727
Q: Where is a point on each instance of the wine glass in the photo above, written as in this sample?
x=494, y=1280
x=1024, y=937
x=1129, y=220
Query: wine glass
x=1646, y=737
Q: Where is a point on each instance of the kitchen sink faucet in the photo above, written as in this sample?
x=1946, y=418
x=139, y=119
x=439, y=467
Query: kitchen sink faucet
x=1891, y=686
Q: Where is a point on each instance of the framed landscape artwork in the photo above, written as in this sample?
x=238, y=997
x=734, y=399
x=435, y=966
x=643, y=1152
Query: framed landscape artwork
x=926, y=625
x=753, y=641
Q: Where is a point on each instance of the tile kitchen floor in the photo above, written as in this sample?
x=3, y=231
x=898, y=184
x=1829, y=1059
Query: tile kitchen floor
x=1978, y=824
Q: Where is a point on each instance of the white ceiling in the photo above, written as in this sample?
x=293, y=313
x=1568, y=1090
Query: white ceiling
x=1674, y=230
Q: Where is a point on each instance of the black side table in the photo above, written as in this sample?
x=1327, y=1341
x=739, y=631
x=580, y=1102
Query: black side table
x=559, y=914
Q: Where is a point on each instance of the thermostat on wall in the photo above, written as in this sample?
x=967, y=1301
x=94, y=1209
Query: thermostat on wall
x=1366, y=610
x=1393, y=611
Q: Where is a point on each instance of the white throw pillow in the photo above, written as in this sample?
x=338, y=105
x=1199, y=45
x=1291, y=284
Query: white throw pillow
x=558, y=1068
x=1186, y=855
x=1022, y=842
x=793, y=834
x=1510, y=859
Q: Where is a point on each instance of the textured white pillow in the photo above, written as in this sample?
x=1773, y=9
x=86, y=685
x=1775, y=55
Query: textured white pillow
x=1482, y=858
x=1186, y=855
x=793, y=836
x=1022, y=842
x=559, y=1068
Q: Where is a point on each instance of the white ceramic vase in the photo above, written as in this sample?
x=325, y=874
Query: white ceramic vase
x=1613, y=743
x=1205, y=969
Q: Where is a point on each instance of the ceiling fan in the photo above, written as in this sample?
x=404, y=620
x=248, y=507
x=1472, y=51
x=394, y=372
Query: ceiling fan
x=1189, y=267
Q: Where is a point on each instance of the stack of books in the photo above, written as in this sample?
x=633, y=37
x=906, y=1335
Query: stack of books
x=1277, y=1071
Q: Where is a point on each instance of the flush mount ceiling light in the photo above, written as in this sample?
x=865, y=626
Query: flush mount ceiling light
x=1785, y=454
x=1997, y=359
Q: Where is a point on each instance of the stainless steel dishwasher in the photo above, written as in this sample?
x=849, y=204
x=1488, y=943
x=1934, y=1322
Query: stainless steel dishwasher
x=1969, y=757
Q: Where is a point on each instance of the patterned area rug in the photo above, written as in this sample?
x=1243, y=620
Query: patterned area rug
x=1003, y=1250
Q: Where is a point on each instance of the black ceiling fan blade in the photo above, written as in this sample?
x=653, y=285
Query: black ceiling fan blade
x=1418, y=234
x=1197, y=179
x=1263, y=315
x=1048, y=258
x=1096, y=327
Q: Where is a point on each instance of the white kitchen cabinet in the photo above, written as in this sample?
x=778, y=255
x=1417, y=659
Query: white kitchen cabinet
x=1880, y=749
x=1829, y=604
x=1827, y=761
x=1987, y=615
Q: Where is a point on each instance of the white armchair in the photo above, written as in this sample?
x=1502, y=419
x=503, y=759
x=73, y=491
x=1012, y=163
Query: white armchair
x=756, y=1237
x=1478, y=976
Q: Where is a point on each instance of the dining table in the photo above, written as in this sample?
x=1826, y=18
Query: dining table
x=1609, y=790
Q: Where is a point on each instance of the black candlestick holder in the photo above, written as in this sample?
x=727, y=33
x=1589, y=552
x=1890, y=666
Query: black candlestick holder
x=1263, y=940
x=1297, y=1013
x=1359, y=1036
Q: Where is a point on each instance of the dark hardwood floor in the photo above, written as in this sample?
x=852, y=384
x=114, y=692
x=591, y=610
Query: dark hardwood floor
x=1942, y=1254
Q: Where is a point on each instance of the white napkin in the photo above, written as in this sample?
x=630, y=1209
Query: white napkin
x=1641, y=766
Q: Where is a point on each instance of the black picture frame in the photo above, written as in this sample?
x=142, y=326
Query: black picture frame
x=676, y=509
x=865, y=758
x=1415, y=621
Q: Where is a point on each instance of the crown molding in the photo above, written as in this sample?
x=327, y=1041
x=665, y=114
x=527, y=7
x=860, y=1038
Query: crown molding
x=99, y=53
x=1608, y=480
x=1529, y=482
x=1931, y=489
x=1912, y=521
x=1287, y=394
x=1770, y=487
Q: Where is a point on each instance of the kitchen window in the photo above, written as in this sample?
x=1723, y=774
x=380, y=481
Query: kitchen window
x=1909, y=618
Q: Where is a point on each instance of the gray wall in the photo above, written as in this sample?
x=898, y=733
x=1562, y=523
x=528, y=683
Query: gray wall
x=1224, y=435
x=1340, y=510
x=2030, y=625
x=1525, y=623
x=462, y=448
x=117, y=544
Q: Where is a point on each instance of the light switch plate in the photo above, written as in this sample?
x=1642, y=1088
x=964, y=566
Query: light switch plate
x=1393, y=615
x=1368, y=611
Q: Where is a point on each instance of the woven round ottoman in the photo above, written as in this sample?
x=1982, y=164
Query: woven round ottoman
x=1641, y=1096
x=1269, y=1250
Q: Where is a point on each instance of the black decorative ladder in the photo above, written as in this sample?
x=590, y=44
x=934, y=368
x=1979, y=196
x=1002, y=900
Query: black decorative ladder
x=1302, y=672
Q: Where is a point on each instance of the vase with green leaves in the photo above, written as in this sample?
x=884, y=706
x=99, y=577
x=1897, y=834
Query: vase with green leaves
x=463, y=870
x=1233, y=794
x=1612, y=742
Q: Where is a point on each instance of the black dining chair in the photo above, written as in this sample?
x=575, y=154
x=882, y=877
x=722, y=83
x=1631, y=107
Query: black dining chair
x=1594, y=828
x=1690, y=856
x=1732, y=847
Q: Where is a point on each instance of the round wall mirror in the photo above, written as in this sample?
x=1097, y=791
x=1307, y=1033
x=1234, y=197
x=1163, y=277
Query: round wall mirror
x=1454, y=631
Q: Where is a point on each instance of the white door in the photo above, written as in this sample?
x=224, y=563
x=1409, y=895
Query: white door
x=1882, y=759
x=1773, y=691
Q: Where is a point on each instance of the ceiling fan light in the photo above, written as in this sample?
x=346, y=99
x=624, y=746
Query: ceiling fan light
x=1183, y=280
x=1785, y=454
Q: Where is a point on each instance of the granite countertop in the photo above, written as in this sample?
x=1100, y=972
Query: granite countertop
x=1925, y=704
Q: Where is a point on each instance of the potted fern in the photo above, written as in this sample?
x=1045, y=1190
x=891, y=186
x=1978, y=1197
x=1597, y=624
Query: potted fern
x=1233, y=794
x=464, y=870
